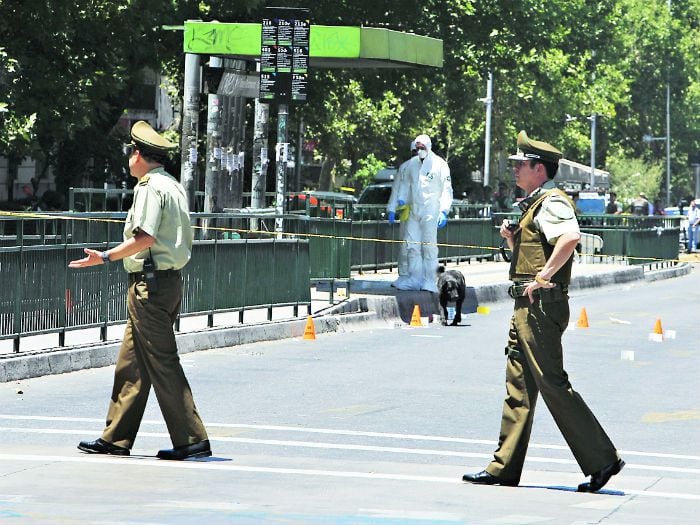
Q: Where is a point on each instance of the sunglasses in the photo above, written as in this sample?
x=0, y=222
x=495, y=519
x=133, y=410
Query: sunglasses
x=421, y=147
x=520, y=163
x=129, y=149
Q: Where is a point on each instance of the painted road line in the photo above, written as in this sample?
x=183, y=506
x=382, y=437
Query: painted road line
x=358, y=448
x=216, y=465
x=312, y=430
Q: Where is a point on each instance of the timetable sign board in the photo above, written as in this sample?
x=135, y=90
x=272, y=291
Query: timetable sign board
x=284, y=55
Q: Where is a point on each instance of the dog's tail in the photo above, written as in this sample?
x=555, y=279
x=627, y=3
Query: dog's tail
x=441, y=269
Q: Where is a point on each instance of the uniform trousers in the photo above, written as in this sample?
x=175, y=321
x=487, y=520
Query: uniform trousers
x=148, y=356
x=535, y=365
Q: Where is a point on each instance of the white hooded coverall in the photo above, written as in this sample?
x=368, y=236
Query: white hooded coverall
x=400, y=181
x=429, y=190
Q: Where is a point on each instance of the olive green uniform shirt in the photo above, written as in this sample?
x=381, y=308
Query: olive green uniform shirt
x=160, y=209
x=556, y=215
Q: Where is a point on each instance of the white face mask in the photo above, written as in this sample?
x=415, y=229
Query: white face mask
x=422, y=153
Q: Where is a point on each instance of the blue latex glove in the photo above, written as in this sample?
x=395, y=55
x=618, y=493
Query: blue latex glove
x=400, y=202
x=442, y=220
x=392, y=217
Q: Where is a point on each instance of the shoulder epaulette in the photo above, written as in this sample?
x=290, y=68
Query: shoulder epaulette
x=143, y=181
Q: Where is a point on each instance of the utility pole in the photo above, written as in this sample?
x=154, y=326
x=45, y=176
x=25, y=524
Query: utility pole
x=593, y=119
x=213, y=168
x=488, y=101
x=281, y=164
x=297, y=161
x=260, y=158
x=190, y=122
x=668, y=126
x=260, y=152
x=668, y=141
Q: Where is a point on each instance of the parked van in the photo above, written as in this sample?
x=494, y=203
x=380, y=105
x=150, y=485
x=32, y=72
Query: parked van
x=380, y=190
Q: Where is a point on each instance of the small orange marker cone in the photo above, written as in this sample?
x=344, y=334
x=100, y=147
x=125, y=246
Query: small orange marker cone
x=657, y=327
x=582, y=319
x=415, y=318
x=309, y=330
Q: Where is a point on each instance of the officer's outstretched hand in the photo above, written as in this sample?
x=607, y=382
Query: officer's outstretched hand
x=392, y=217
x=442, y=220
x=92, y=258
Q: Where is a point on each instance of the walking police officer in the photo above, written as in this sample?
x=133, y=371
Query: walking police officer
x=157, y=244
x=543, y=244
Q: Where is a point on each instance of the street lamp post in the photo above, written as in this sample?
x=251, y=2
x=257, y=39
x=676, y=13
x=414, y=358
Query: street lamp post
x=488, y=101
x=668, y=128
x=668, y=139
x=592, y=118
x=648, y=138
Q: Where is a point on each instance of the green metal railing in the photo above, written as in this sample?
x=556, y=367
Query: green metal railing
x=639, y=240
x=234, y=268
x=42, y=295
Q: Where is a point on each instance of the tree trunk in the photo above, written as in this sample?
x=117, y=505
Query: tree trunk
x=326, y=180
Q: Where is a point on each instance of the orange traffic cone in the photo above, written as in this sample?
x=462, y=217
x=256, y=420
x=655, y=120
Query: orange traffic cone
x=582, y=319
x=309, y=330
x=657, y=327
x=415, y=318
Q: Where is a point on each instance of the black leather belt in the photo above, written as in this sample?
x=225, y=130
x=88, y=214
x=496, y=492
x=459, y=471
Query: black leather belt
x=140, y=276
x=517, y=290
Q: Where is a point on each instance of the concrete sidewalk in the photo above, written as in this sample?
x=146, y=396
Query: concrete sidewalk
x=372, y=302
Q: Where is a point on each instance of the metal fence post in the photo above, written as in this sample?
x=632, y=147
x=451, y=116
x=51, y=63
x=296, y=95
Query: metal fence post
x=17, y=327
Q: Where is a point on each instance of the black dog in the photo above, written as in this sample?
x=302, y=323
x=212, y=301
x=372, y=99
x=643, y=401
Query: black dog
x=452, y=287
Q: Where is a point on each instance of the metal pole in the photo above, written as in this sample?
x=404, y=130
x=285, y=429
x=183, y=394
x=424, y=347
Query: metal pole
x=297, y=160
x=593, y=123
x=260, y=159
x=260, y=153
x=213, y=145
x=281, y=163
x=487, y=143
x=668, y=142
x=668, y=128
x=190, y=123
x=697, y=181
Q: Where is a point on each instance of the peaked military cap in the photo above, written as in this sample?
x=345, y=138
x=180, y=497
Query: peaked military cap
x=147, y=139
x=529, y=149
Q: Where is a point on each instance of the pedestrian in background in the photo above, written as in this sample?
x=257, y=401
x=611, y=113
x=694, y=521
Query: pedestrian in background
x=543, y=245
x=613, y=207
x=640, y=205
x=395, y=204
x=429, y=190
x=157, y=244
x=501, y=200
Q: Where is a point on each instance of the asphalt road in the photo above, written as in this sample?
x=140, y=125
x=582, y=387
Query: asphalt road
x=377, y=427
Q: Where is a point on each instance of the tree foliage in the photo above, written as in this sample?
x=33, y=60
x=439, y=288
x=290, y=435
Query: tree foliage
x=76, y=65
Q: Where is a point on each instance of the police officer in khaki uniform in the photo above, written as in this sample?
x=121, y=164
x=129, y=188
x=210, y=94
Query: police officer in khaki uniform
x=157, y=244
x=543, y=244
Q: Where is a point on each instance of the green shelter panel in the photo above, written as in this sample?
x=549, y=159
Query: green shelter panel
x=330, y=46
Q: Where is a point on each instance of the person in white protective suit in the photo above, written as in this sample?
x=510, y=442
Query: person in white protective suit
x=391, y=208
x=429, y=190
